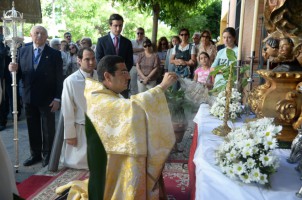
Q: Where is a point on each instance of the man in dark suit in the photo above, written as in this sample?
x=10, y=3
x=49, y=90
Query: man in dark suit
x=115, y=44
x=40, y=68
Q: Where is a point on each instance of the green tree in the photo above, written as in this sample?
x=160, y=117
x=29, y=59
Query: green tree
x=205, y=16
x=161, y=9
x=90, y=18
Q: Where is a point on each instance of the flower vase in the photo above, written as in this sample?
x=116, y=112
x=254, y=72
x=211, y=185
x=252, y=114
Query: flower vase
x=280, y=98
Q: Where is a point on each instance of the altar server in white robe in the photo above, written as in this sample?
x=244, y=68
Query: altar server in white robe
x=73, y=109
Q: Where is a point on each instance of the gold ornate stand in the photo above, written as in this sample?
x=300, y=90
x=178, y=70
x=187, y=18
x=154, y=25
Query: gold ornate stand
x=279, y=98
x=224, y=129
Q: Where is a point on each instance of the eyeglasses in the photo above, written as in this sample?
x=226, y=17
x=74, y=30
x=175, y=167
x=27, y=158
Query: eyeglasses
x=147, y=45
x=140, y=33
x=183, y=34
x=68, y=36
x=205, y=36
x=71, y=47
x=163, y=44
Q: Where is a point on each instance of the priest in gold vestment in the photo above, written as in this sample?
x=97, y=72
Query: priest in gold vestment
x=137, y=133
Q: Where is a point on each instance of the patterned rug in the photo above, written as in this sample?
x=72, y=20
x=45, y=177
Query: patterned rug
x=46, y=189
x=176, y=180
x=42, y=187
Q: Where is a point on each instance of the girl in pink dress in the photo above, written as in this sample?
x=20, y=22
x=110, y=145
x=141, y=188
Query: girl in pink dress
x=202, y=73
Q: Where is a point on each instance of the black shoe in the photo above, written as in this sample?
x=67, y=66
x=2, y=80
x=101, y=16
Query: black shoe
x=45, y=161
x=32, y=160
x=2, y=127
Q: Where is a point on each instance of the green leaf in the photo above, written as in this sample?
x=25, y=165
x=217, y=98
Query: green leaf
x=231, y=55
x=217, y=70
x=97, y=162
x=217, y=89
x=244, y=82
x=244, y=68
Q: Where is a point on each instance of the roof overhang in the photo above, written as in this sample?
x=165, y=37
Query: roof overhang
x=31, y=9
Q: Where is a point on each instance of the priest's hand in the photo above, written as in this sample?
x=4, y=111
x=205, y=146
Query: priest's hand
x=72, y=141
x=13, y=67
x=169, y=79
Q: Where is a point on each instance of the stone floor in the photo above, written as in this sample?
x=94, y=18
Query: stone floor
x=7, y=137
x=184, y=145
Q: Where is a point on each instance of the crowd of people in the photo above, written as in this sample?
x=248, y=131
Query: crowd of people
x=54, y=76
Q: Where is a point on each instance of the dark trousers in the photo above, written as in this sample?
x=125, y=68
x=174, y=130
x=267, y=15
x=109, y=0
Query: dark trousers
x=41, y=129
x=6, y=105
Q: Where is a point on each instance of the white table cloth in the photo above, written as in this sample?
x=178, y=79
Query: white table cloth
x=211, y=183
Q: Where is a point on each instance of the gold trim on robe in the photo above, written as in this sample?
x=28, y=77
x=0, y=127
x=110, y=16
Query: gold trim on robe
x=138, y=136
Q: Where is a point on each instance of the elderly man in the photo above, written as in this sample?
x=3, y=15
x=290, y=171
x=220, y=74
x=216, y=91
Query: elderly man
x=196, y=39
x=40, y=68
x=73, y=109
x=56, y=44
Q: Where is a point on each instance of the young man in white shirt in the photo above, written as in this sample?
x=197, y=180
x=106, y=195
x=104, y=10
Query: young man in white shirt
x=73, y=110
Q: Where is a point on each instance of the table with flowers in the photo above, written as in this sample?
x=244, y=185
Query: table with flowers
x=211, y=183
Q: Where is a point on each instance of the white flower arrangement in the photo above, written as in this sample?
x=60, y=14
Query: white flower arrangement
x=235, y=109
x=247, y=152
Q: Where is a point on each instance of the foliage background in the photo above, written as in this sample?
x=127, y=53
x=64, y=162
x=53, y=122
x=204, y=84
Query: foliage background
x=90, y=18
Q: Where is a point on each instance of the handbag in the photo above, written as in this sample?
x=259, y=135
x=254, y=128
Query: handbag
x=182, y=71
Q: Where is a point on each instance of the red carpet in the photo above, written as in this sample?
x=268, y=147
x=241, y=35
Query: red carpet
x=32, y=184
x=42, y=187
x=191, y=164
x=176, y=179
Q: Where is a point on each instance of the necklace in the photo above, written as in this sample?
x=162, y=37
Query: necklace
x=82, y=74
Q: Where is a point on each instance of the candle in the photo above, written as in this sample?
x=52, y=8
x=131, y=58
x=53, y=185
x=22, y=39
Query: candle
x=255, y=20
x=241, y=29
